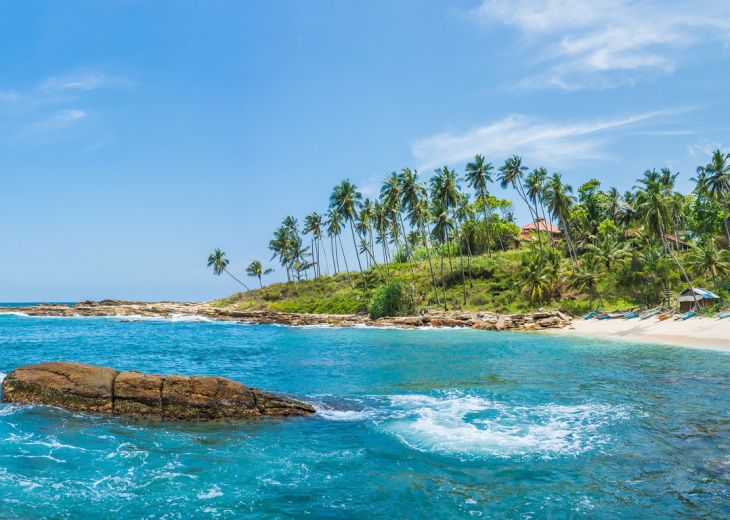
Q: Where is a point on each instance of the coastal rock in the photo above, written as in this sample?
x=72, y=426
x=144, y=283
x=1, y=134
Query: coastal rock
x=548, y=322
x=76, y=386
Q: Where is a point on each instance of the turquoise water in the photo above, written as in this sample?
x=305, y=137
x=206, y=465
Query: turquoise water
x=413, y=424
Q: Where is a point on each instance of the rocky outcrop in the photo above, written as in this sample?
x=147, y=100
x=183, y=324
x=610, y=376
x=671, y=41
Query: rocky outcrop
x=80, y=387
x=128, y=310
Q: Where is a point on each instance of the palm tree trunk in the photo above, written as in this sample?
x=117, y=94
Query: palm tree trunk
x=684, y=273
x=260, y=284
x=249, y=290
x=569, y=242
x=443, y=283
x=430, y=266
x=357, y=253
x=463, y=276
x=486, y=226
x=367, y=249
x=468, y=255
x=347, y=269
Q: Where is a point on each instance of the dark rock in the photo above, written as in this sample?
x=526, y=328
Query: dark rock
x=100, y=389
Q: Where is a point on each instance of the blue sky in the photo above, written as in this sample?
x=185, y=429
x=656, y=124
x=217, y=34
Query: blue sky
x=137, y=136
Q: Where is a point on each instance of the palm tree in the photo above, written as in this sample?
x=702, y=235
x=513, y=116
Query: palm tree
x=313, y=225
x=347, y=200
x=534, y=182
x=533, y=279
x=587, y=276
x=511, y=174
x=334, y=230
x=217, y=259
x=612, y=204
x=255, y=269
x=442, y=225
x=710, y=260
x=478, y=174
x=412, y=199
x=702, y=194
x=718, y=182
x=609, y=250
x=559, y=200
x=654, y=207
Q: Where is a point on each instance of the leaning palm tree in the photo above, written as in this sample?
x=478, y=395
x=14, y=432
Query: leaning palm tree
x=511, y=174
x=255, y=269
x=217, y=259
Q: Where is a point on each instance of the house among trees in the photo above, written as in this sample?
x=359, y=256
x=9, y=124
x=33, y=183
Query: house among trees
x=529, y=232
x=674, y=242
x=704, y=298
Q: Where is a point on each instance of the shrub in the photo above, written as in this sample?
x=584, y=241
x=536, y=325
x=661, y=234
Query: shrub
x=390, y=300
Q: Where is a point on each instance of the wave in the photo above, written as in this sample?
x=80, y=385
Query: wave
x=468, y=426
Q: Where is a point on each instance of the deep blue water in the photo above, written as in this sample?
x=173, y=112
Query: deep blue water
x=413, y=424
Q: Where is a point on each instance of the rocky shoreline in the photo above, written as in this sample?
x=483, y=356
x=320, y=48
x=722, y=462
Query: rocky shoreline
x=129, y=310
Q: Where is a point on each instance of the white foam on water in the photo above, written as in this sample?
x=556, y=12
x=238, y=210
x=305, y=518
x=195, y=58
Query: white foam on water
x=468, y=427
x=345, y=415
x=213, y=492
x=15, y=313
x=2, y=377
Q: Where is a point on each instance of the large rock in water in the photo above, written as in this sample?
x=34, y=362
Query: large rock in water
x=100, y=389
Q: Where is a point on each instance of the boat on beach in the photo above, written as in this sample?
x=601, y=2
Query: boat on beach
x=592, y=313
x=651, y=313
x=635, y=314
x=666, y=315
x=724, y=314
x=615, y=314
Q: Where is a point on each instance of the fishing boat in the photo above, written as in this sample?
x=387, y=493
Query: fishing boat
x=666, y=315
x=689, y=315
x=592, y=313
x=620, y=314
x=685, y=315
x=635, y=314
x=724, y=314
x=651, y=313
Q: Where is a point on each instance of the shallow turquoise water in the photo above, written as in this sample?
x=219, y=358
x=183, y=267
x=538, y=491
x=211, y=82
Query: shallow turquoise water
x=413, y=424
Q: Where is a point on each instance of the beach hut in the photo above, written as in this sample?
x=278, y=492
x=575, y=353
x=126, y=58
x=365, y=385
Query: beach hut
x=704, y=297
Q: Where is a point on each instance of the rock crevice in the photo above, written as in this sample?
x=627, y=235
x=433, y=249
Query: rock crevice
x=80, y=387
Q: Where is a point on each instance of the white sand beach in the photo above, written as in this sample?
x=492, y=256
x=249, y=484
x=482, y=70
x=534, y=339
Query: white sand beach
x=707, y=333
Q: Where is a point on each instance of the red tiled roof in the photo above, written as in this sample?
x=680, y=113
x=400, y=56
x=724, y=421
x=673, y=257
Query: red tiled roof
x=631, y=233
x=544, y=226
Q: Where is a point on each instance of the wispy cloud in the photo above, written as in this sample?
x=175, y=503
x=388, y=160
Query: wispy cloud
x=580, y=44
x=51, y=106
x=706, y=148
x=553, y=144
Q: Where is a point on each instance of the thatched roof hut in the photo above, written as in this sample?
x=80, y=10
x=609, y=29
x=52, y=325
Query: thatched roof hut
x=704, y=297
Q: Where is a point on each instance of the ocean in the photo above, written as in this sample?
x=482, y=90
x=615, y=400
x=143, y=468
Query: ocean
x=410, y=424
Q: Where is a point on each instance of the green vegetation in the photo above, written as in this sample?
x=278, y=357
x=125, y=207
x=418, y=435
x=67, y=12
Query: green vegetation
x=418, y=247
x=391, y=300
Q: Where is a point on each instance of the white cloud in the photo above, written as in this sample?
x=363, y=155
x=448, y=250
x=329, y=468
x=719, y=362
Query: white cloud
x=85, y=81
x=552, y=144
x=600, y=44
x=60, y=120
x=706, y=148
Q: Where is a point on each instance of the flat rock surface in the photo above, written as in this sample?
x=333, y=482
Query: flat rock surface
x=76, y=386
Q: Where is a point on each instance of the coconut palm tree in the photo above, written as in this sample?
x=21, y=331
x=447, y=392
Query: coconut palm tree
x=710, y=261
x=347, y=200
x=255, y=269
x=654, y=209
x=217, y=259
x=412, y=199
x=587, y=276
x=334, y=230
x=442, y=226
x=718, y=182
x=478, y=175
x=559, y=200
x=511, y=174
x=533, y=279
x=609, y=250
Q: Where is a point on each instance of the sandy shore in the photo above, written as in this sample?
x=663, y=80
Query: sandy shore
x=707, y=333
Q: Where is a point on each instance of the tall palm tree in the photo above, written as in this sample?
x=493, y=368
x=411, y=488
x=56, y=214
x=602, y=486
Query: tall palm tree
x=313, y=225
x=412, y=199
x=511, y=174
x=478, y=175
x=334, y=230
x=702, y=194
x=718, y=182
x=442, y=226
x=348, y=200
x=654, y=208
x=217, y=259
x=255, y=269
x=534, y=182
x=609, y=250
x=559, y=200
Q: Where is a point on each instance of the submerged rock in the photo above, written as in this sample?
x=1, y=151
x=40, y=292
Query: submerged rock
x=76, y=386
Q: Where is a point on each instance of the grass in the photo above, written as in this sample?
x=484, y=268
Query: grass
x=493, y=288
